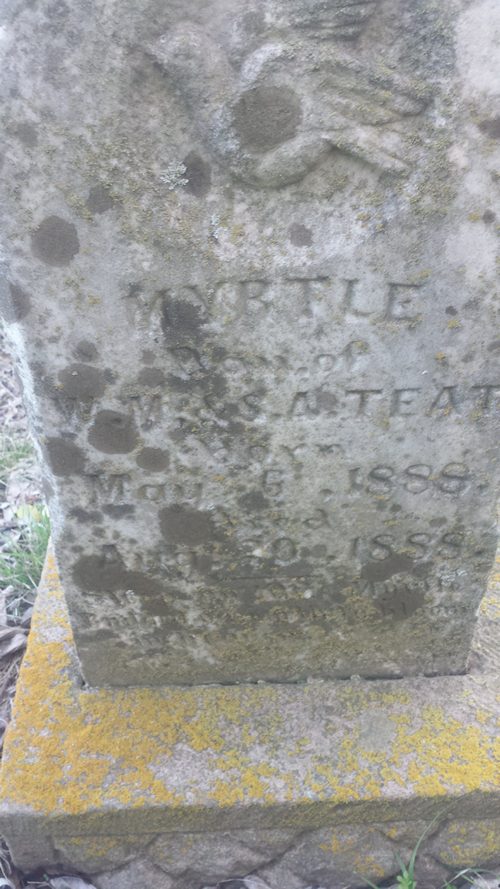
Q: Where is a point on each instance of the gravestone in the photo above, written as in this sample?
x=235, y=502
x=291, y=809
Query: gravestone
x=250, y=273
x=251, y=276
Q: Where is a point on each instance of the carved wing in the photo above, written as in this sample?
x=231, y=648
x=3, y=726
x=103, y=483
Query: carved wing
x=367, y=94
x=337, y=19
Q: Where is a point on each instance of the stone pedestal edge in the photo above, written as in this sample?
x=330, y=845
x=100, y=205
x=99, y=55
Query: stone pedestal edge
x=82, y=762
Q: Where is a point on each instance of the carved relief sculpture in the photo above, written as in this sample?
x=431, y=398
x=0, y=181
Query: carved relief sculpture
x=303, y=93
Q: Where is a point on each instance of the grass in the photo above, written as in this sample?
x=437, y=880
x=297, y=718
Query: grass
x=21, y=566
x=12, y=451
x=407, y=879
x=25, y=540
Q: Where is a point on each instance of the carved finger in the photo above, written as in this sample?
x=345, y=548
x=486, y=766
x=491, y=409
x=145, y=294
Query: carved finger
x=367, y=146
x=287, y=164
x=379, y=95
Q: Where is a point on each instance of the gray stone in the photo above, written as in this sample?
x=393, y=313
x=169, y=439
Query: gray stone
x=485, y=881
x=474, y=845
x=140, y=874
x=94, y=854
x=32, y=850
x=213, y=857
x=251, y=279
x=348, y=855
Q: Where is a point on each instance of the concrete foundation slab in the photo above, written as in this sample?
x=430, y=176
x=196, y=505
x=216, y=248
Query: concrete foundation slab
x=316, y=782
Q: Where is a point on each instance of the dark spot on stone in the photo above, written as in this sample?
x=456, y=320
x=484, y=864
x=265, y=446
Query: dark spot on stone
x=86, y=351
x=27, y=134
x=494, y=346
x=99, y=199
x=233, y=430
x=451, y=310
x=267, y=116
x=153, y=459
x=405, y=594
x=178, y=384
x=180, y=322
x=64, y=457
x=55, y=241
x=204, y=564
x=218, y=353
x=300, y=566
x=118, y=510
x=106, y=573
x=402, y=600
x=396, y=507
x=253, y=501
x=183, y=524
x=15, y=304
x=217, y=384
x=378, y=571
x=113, y=433
x=489, y=217
x=85, y=516
x=300, y=235
x=148, y=356
x=326, y=402
x=151, y=376
x=160, y=608
x=317, y=551
x=491, y=127
x=82, y=382
x=438, y=523
x=198, y=174
x=134, y=290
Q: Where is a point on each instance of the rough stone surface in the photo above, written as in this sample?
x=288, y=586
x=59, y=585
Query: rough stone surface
x=96, y=854
x=476, y=844
x=333, y=858
x=204, y=858
x=345, y=856
x=300, y=785
x=139, y=875
x=251, y=279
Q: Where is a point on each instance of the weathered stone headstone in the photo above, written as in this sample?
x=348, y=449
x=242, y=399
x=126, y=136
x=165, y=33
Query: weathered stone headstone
x=250, y=268
x=250, y=255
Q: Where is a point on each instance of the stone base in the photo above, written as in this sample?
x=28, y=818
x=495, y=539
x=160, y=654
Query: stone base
x=323, y=783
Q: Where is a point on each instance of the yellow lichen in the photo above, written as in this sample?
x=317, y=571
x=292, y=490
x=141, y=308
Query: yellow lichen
x=71, y=751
